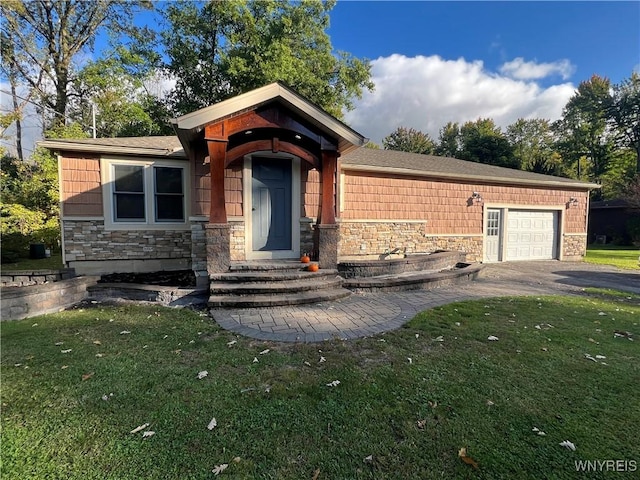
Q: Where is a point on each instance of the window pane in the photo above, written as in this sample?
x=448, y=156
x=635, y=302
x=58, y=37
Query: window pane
x=169, y=208
x=128, y=178
x=168, y=180
x=129, y=206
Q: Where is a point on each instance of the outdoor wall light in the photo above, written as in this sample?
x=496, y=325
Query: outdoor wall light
x=248, y=132
x=476, y=197
x=572, y=201
x=297, y=137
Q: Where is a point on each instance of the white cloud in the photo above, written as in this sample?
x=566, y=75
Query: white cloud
x=427, y=92
x=518, y=68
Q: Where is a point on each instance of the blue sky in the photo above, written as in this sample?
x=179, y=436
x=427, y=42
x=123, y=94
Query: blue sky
x=435, y=62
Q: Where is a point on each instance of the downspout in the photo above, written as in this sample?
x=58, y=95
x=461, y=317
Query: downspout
x=61, y=206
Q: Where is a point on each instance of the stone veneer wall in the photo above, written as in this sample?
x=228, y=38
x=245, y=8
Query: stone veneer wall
x=574, y=246
x=236, y=233
x=308, y=237
x=88, y=240
x=375, y=238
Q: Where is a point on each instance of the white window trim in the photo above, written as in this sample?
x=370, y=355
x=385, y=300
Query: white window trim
x=106, y=174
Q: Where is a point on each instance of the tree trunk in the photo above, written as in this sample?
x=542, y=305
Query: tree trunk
x=16, y=108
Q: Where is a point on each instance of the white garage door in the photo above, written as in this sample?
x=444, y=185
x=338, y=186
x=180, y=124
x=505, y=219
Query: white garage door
x=531, y=235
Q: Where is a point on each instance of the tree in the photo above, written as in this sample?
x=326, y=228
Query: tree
x=409, y=140
x=624, y=111
x=449, y=140
x=221, y=49
x=584, y=137
x=48, y=35
x=482, y=141
x=533, y=144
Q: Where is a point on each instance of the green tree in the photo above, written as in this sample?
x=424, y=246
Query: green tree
x=409, y=140
x=533, y=143
x=482, y=141
x=624, y=111
x=584, y=140
x=449, y=140
x=221, y=49
x=48, y=35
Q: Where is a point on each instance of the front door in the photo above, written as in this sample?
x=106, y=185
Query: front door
x=271, y=204
x=492, y=244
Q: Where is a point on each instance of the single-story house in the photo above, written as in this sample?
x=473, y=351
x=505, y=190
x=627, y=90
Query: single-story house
x=270, y=175
x=608, y=221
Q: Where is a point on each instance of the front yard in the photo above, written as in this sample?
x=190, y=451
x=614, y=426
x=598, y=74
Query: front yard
x=75, y=384
x=621, y=257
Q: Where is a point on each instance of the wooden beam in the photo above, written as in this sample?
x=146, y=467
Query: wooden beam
x=329, y=166
x=265, y=145
x=218, y=157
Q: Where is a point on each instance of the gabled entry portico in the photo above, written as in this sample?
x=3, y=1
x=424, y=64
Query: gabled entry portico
x=283, y=152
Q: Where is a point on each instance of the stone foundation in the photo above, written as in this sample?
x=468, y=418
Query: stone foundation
x=237, y=240
x=574, y=247
x=88, y=240
x=328, y=245
x=376, y=238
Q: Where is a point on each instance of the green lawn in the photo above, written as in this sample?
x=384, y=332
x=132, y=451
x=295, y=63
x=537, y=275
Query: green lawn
x=388, y=418
x=621, y=257
x=54, y=262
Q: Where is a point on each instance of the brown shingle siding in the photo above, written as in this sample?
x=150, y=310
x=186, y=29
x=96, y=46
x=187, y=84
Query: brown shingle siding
x=81, y=186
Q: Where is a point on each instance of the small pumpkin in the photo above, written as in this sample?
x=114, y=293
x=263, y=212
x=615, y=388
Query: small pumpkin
x=313, y=267
x=305, y=258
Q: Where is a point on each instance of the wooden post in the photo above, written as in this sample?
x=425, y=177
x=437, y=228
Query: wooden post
x=217, y=157
x=329, y=164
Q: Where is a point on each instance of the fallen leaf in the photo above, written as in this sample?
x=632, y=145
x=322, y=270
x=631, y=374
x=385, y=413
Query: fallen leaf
x=368, y=459
x=148, y=434
x=97, y=342
x=307, y=364
x=237, y=459
x=165, y=337
x=140, y=428
x=568, y=444
x=105, y=397
x=63, y=367
x=421, y=424
x=316, y=474
x=17, y=364
x=99, y=355
x=335, y=383
x=462, y=453
x=125, y=332
x=490, y=403
x=34, y=325
x=439, y=339
x=417, y=335
x=65, y=351
x=202, y=374
x=87, y=376
x=602, y=314
x=59, y=343
x=492, y=338
x=600, y=357
x=255, y=359
x=264, y=352
x=410, y=360
x=212, y=424
x=218, y=469
x=432, y=404
x=322, y=359
x=232, y=342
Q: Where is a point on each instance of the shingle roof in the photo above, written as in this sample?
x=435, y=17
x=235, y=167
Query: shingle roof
x=363, y=159
x=394, y=162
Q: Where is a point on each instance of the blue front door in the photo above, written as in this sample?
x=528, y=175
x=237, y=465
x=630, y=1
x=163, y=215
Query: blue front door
x=271, y=204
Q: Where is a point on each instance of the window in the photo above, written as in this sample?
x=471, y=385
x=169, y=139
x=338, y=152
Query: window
x=150, y=194
x=493, y=223
x=169, y=194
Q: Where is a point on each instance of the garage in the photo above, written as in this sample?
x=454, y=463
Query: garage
x=531, y=235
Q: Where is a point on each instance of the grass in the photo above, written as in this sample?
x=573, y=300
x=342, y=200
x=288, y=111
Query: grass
x=278, y=418
x=54, y=262
x=621, y=257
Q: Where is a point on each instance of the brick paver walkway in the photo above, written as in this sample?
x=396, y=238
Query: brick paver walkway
x=362, y=315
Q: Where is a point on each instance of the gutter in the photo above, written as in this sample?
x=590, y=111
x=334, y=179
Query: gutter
x=93, y=148
x=474, y=178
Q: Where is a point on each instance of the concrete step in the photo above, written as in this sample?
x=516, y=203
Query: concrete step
x=300, y=298
x=266, y=265
x=276, y=286
x=270, y=276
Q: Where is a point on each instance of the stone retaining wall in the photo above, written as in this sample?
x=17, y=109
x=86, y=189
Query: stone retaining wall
x=23, y=278
x=24, y=302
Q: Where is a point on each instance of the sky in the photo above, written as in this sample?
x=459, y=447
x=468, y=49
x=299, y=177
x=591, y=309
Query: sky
x=435, y=62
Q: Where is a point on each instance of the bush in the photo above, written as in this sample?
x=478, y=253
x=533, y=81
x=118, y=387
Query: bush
x=21, y=227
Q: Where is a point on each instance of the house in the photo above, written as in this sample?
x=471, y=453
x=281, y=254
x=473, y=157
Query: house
x=270, y=175
x=608, y=221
